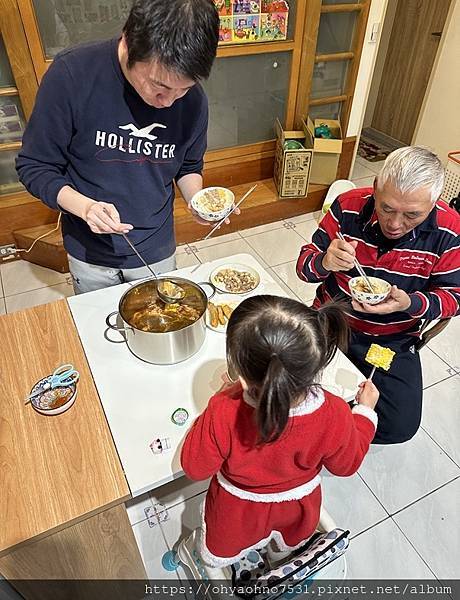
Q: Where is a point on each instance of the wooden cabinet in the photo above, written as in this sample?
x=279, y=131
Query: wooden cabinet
x=314, y=70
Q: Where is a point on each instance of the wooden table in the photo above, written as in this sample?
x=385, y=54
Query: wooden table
x=62, y=489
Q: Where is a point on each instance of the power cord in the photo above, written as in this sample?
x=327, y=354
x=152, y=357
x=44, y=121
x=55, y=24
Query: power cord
x=42, y=236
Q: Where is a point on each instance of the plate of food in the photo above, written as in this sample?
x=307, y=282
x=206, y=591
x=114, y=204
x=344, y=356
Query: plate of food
x=235, y=279
x=219, y=311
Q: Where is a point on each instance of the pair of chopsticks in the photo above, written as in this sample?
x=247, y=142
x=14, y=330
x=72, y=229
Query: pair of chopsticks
x=221, y=222
x=358, y=267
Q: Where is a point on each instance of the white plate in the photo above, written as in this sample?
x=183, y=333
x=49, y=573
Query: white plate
x=221, y=299
x=235, y=267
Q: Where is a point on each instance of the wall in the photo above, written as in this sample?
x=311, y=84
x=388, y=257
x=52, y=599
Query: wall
x=439, y=121
x=366, y=68
x=380, y=61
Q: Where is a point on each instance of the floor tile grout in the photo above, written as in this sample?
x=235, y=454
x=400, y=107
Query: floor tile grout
x=439, y=446
x=417, y=552
x=400, y=510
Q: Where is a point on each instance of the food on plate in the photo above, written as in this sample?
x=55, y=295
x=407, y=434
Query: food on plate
x=236, y=281
x=214, y=200
x=54, y=398
x=219, y=314
x=158, y=317
x=378, y=286
x=380, y=357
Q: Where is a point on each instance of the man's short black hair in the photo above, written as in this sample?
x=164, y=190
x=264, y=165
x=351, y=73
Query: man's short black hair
x=181, y=34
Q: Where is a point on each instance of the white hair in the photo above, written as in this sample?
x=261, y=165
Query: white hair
x=411, y=168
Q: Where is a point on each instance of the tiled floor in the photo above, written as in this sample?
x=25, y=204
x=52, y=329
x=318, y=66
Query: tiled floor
x=402, y=506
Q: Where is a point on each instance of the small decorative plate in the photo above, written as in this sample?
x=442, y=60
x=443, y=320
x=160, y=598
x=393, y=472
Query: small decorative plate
x=55, y=401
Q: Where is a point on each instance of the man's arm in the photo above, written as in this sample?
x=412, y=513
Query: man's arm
x=326, y=253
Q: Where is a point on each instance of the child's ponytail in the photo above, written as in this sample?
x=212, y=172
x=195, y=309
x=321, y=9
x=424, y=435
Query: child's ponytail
x=274, y=401
x=334, y=326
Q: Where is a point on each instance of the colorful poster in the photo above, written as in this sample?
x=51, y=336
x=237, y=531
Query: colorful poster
x=246, y=7
x=273, y=26
x=226, y=30
x=246, y=28
x=243, y=21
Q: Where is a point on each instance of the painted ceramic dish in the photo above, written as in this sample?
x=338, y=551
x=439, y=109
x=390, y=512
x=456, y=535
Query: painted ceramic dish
x=235, y=279
x=213, y=203
x=360, y=291
x=55, y=401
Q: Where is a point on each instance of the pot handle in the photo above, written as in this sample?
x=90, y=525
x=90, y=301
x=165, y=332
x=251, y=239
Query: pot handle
x=210, y=285
x=111, y=325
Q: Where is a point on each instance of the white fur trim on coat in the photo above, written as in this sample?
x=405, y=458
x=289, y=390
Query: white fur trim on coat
x=366, y=411
x=312, y=402
x=218, y=561
x=296, y=493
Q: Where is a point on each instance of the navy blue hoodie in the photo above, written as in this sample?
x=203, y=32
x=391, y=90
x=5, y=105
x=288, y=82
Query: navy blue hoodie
x=90, y=130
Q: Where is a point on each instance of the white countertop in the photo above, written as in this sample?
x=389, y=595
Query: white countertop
x=139, y=398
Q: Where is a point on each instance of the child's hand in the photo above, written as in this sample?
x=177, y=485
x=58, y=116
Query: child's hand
x=368, y=394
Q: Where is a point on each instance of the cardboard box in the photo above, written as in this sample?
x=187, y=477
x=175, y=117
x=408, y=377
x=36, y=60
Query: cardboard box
x=292, y=167
x=326, y=152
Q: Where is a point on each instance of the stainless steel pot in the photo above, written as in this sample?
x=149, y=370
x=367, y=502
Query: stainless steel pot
x=162, y=347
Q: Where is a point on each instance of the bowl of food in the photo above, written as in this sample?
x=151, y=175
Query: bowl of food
x=235, y=279
x=360, y=290
x=213, y=203
x=52, y=401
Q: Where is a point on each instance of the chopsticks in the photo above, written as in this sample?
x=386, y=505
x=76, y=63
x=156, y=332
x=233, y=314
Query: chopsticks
x=358, y=267
x=216, y=227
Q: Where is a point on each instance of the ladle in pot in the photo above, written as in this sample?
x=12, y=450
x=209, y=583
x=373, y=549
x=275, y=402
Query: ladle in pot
x=167, y=291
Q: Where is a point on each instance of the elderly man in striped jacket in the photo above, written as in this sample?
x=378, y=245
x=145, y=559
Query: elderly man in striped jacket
x=401, y=232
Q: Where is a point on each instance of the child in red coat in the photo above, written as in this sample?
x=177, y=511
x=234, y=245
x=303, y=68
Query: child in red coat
x=265, y=439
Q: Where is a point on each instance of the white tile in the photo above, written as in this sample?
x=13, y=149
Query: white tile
x=277, y=247
x=287, y=290
x=2, y=306
x=375, y=167
x=360, y=170
x=152, y=546
x=183, y=519
x=136, y=508
x=441, y=415
x=399, y=474
x=305, y=291
x=178, y=491
x=226, y=249
x=261, y=228
x=185, y=259
x=213, y=241
x=433, y=368
x=432, y=525
x=383, y=552
x=364, y=182
x=446, y=344
x=306, y=229
x=22, y=276
x=316, y=215
x=350, y=503
x=39, y=296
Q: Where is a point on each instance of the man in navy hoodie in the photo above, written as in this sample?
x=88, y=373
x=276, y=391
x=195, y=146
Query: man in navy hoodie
x=115, y=124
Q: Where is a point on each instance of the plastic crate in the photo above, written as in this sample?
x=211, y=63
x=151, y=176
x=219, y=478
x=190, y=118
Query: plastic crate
x=452, y=179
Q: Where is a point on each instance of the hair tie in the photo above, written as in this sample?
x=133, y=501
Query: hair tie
x=274, y=355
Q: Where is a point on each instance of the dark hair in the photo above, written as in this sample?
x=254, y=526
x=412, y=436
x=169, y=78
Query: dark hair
x=280, y=346
x=181, y=34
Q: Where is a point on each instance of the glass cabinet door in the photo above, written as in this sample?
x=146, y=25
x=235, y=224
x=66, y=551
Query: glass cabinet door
x=12, y=123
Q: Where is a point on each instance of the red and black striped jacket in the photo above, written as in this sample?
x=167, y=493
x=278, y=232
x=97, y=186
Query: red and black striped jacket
x=425, y=263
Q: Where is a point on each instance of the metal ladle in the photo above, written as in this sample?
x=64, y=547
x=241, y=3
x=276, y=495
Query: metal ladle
x=167, y=291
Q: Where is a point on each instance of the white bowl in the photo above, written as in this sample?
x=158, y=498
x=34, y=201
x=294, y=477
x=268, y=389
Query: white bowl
x=40, y=405
x=368, y=297
x=213, y=215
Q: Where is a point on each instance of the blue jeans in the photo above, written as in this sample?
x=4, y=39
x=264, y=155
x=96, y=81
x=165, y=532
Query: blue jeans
x=87, y=277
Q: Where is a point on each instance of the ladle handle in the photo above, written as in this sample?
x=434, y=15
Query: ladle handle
x=139, y=256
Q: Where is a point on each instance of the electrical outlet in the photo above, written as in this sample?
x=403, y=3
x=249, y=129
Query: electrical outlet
x=8, y=250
